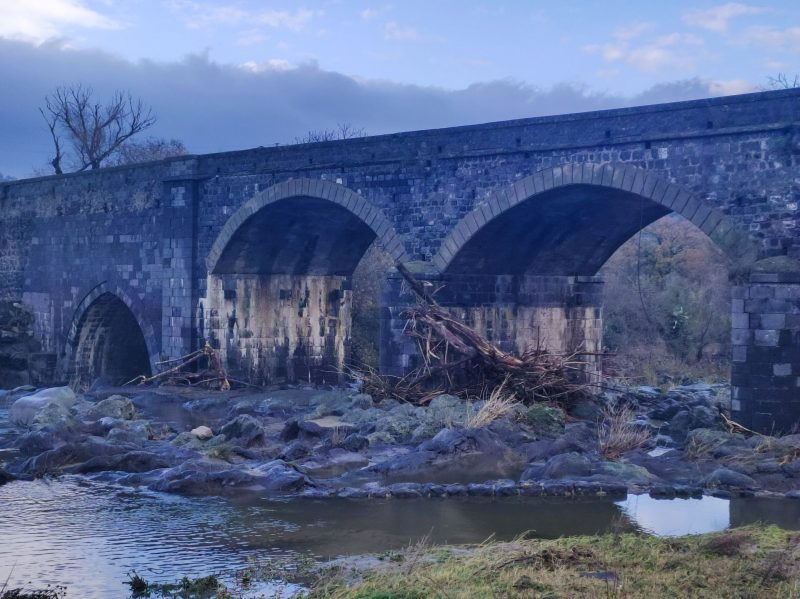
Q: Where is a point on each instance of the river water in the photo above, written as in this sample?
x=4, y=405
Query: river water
x=88, y=535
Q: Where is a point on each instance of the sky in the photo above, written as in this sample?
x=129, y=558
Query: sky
x=232, y=74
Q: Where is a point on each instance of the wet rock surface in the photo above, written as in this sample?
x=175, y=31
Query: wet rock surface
x=323, y=443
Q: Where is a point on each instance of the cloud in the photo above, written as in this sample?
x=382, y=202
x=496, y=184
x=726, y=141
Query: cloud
x=720, y=87
x=718, y=18
x=44, y=19
x=196, y=15
x=393, y=31
x=772, y=37
x=216, y=107
x=659, y=52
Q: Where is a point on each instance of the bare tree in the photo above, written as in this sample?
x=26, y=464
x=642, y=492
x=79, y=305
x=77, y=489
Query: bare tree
x=95, y=131
x=342, y=131
x=153, y=148
x=783, y=81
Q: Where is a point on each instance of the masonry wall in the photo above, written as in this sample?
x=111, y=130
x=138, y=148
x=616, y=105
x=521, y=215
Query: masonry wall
x=765, y=374
x=146, y=230
x=280, y=327
x=518, y=313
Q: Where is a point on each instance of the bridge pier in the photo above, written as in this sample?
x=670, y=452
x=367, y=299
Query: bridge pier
x=270, y=328
x=517, y=312
x=765, y=372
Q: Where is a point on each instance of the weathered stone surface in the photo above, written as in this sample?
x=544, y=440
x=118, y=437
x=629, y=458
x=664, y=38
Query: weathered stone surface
x=201, y=245
x=24, y=411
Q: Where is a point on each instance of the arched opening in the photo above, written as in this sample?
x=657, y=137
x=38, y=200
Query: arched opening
x=523, y=267
x=109, y=343
x=279, y=300
x=667, y=306
x=569, y=231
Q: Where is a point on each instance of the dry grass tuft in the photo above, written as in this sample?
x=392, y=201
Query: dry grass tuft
x=617, y=434
x=499, y=404
x=729, y=544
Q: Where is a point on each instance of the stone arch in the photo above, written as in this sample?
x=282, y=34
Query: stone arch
x=647, y=194
x=107, y=338
x=223, y=254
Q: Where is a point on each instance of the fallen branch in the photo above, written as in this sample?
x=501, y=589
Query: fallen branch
x=215, y=373
x=457, y=359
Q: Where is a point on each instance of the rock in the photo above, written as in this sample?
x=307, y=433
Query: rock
x=355, y=442
x=290, y=430
x=130, y=431
x=35, y=442
x=414, y=460
x=54, y=461
x=480, y=489
x=567, y=465
x=295, y=450
x=24, y=410
x=544, y=420
x=279, y=476
x=463, y=440
x=623, y=472
x=380, y=438
x=725, y=477
x=195, y=477
x=533, y=472
x=406, y=490
x=680, y=424
x=5, y=477
x=311, y=430
x=133, y=461
x=665, y=410
x=352, y=493
x=703, y=417
x=116, y=406
x=202, y=432
x=54, y=416
x=245, y=430
x=455, y=490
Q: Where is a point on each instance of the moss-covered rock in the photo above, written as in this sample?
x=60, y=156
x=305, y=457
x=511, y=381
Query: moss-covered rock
x=544, y=420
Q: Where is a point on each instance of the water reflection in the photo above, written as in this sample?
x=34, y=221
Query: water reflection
x=675, y=517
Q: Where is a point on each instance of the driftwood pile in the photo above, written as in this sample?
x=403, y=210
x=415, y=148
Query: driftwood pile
x=177, y=371
x=458, y=360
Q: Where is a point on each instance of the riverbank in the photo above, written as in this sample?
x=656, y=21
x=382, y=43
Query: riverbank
x=745, y=562
x=754, y=561
x=321, y=443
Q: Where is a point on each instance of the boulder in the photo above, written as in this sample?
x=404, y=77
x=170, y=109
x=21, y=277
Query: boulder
x=544, y=420
x=24, y=410
x=463, y=440
x=203, y=433
x=567, y=465
x=355, y=442
x=295, y=450
x=244, y=430
x=725, y=477
x=133, y=461
x=116, y=406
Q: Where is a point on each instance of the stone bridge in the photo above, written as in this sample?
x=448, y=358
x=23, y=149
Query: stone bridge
x=254, y=250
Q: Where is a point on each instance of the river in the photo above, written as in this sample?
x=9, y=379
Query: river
x=88, y=535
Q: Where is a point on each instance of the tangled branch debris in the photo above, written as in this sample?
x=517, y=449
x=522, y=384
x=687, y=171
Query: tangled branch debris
x=456, y=359
x=213, y=376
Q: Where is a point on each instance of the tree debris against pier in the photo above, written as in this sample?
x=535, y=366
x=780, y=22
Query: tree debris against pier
x=456, y=359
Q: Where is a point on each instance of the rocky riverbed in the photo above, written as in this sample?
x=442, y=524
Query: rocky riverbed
x=321, y=443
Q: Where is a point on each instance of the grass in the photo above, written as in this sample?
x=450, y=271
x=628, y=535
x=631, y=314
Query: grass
x=498, y=404
x=751, y=562
x=617, y=433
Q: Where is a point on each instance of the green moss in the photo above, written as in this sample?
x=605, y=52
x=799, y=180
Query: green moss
x=543, y=419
